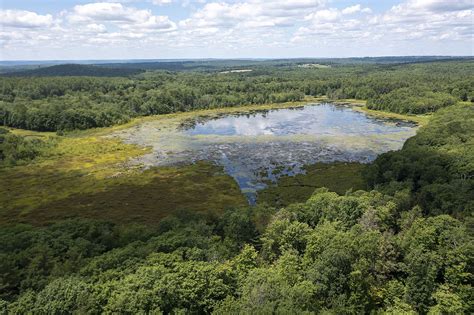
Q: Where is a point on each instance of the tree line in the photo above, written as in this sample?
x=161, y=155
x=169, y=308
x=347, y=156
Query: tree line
x=67, y=103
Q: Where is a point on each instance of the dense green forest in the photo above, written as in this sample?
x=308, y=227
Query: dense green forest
x=16, y=149
x=405, y=246
x=67, y=103
x=74, y=70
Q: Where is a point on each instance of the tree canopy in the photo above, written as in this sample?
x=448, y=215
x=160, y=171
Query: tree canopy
x=67, y=103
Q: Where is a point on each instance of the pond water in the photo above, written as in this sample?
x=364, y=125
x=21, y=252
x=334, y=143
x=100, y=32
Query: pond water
x=257, y=148
x=325, y=119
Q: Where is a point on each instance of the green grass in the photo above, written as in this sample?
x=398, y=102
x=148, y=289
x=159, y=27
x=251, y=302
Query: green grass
x=338, y=177
x=420, y=120
x=85, y=175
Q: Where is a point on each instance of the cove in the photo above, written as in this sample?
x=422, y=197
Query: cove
x=257, y=148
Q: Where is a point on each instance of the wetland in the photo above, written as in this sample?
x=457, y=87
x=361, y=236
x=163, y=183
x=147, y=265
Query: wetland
x=258, y=148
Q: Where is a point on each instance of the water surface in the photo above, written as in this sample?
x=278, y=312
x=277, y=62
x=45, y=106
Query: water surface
x=257, y=148
x=324, y=119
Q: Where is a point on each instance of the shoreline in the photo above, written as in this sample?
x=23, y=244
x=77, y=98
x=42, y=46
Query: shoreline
x=357, y=105
x=360, y=106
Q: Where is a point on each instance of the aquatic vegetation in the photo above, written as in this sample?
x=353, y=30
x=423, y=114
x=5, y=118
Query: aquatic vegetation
x=339, y=177
x=252, y=145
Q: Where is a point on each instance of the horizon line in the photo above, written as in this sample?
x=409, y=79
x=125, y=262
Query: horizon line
x=234, y=58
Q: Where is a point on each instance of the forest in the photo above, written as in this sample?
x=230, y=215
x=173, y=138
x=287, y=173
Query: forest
x=403, y=246
x=68, y=103
x=73, y=70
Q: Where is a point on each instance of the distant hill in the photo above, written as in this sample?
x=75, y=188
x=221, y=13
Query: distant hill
x=75, y=70
x=118, y=68
x=228, y=64
x=188, y=65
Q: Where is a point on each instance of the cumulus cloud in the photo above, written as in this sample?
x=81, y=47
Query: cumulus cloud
x=355, y=9
x=89, y=25
x=239, y=25
x=162, y=2
x=323, y=16
x=439, y=5
x=24, y=19
x=122, y=16
x=352, y=9
x=409, y=20
x=96, y=28
x=250, y=14
x=430, y=18
x=105, y=11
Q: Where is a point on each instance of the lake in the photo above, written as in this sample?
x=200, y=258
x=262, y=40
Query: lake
x=257, y=148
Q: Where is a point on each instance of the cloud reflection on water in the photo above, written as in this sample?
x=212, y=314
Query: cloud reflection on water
x=251, y=147
x=324, y=119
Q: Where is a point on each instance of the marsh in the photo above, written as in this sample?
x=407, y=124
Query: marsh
x=256, y=148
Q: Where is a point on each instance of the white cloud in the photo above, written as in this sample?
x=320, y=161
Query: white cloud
x=162, y=2
x=287, y=7
x=410, y=20
x=355, y=9
x=240, y=28
x=24, y=19
x=440, y=5
x=431, y=19
x=324, y=16
x=352, y=9
x=250, y=14
x=96, y=28
x=123, y=16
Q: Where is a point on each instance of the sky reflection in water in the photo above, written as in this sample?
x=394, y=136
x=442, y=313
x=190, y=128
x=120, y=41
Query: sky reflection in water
x=260, y=147
x=324, y=119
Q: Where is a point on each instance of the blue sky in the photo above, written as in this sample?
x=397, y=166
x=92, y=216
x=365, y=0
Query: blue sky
x=174, y=10
x=132, y=29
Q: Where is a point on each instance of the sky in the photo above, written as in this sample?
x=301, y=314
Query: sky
x=178, y=29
